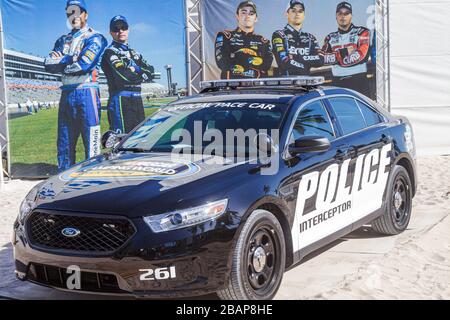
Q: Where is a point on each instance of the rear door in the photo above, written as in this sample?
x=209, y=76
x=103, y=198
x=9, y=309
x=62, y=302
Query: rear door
x=369, y=141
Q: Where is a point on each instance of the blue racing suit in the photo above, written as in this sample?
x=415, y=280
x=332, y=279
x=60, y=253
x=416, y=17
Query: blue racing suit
x=79, y=107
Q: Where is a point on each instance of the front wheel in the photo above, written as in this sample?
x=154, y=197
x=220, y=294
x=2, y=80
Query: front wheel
x=258, y=260
x=398, y=204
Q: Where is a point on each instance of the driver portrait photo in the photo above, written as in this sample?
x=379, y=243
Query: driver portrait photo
x=241, y=53
x=348, y=50
x=295, y=50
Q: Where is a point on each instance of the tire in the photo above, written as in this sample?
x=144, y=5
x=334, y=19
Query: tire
x=396, y=218
x=261, y=236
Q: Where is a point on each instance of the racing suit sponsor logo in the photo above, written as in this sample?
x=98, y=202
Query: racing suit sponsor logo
x=299, y=51
x=255, y=61
x=330, y=59
x=237, y=42
x=249, y=73
x=297, y=64
x=238, y=69
x=311, y=58
x=86, y=59
x=329, y=201
x=94, y=140
x=355, y=57
x=250, y=52
x=278, y=41
x=90, y=55
x=118, y=64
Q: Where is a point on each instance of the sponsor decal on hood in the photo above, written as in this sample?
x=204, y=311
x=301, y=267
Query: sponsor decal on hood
x=142, y=168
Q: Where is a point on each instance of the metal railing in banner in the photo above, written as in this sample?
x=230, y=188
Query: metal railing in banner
x=4, y=134
x=2, y=177
x=195, y=58
x=195, y=62
x=383, y=54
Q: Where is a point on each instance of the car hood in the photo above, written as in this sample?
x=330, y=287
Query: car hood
x=141, y=184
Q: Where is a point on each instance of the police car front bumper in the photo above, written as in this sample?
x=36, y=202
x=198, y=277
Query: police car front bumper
x=179, y=263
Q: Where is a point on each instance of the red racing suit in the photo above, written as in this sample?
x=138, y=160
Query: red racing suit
x=348, y=51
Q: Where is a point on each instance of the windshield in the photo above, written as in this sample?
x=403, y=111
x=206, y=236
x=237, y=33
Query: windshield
x=222, y=128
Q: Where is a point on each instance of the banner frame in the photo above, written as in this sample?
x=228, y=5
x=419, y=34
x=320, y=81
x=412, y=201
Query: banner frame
x=195, y=62
x=4, y=129
x=383, y=71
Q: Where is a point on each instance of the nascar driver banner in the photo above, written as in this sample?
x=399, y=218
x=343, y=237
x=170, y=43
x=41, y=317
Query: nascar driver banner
x=276, y=38
x=77, y=68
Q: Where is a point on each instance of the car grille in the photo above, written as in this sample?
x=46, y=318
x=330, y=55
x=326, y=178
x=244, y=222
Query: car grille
x=89, y=281
x=98, y=235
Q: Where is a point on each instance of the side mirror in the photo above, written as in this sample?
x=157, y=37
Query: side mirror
x=110, y=139
x=309, y=144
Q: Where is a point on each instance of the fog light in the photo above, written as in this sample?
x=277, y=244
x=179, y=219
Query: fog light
x=20, y=275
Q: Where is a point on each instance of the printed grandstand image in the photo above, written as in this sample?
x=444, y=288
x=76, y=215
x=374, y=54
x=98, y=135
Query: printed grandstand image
x=33, y=101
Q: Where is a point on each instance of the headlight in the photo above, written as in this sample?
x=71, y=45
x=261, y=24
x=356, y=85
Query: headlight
x=186, y=218
x=29, y=203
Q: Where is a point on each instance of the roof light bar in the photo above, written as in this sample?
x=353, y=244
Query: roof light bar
x=300, y=81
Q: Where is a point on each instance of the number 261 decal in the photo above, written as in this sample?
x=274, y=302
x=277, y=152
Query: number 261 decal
x=158, y=274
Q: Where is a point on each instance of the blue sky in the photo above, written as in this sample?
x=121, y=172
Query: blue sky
x=157, y=28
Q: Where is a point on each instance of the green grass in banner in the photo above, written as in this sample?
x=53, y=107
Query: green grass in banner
x=33, y=137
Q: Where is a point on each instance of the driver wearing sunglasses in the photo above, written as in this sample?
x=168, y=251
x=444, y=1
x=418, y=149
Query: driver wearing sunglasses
x=125, y=70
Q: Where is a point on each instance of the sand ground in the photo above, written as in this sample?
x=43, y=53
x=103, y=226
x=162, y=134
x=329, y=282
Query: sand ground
x=363, y=265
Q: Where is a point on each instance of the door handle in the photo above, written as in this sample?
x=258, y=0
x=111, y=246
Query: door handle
x=341, y=155
x=352, y=152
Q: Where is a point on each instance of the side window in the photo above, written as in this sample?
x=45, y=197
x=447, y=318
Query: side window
x=348, y=114
x=313, y=120
x=372, y=117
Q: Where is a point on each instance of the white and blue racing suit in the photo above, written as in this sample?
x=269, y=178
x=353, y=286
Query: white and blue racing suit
x=79, y=107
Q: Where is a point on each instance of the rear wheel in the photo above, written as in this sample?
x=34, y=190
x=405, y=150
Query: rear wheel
x=258, y=260
x=399, y=204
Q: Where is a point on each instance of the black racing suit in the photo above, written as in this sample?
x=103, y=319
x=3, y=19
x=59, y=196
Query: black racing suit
x=242, y=55
x=296, y=52
x=125, y=70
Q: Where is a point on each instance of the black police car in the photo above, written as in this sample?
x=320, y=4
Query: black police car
x=220, y=192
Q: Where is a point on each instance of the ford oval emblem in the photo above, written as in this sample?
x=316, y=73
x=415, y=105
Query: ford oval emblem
x=70, y=232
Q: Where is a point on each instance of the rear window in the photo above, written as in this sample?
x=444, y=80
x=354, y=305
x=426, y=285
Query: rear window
x=372, y=117
x=348, y=114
